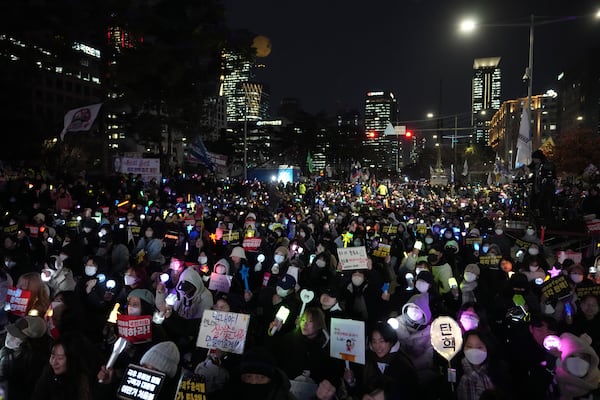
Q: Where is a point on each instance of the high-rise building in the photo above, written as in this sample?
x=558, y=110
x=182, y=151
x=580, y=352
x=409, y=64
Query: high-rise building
x=381, y=108
x=505, y=123
x=486, y=95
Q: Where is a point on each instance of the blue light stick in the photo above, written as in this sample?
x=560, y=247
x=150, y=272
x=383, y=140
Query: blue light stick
x=244, y=274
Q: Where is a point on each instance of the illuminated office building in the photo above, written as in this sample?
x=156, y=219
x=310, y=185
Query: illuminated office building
x=381, y=108
x=486, y=95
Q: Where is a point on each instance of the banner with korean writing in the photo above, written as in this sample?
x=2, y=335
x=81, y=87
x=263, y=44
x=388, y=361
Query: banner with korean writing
x=251, y=244
x=593, y=290
x=347, y=340
x=421, y=229
x=489, y=260
x=446, y=337
x=220, y=283
x=18, y=301
x=556, y=288
x=473, y=240
x=383, y=250
x=136, y=329
x=389, y=229
x=352, y=257
x=223, y=330
x=148, y=168
x=192, y=387
x=140, y=383
x=522, y=244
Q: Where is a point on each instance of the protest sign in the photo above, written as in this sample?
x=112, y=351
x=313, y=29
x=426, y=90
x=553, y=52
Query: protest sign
x=223, y=330
x=421, y=229
x=587, y=290
x=136, y=329
x=561, y=256
x=383, y=250
x=489, y=260
x=446, y=337
x=473, y=240
x=191, y=387
x=352, y=257
x=347, y=340
x=251, y=244
x=18, y=301
x=140, y=383
x=219, y=282
x=389, y=229
x=556, y=287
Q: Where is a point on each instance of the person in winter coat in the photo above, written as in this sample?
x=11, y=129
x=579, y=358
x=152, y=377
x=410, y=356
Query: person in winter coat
x=577, y=370
x=57, y=276
x=387, y=367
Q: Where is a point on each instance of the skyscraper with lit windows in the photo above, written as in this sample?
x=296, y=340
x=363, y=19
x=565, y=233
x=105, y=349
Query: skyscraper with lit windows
x=381, y=108
x=486, y=95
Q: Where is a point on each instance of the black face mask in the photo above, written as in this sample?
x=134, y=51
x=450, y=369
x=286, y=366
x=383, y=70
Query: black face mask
x=432, y=259
x=186, y=287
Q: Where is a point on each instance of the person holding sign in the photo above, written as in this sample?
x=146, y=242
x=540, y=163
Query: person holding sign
x=482, y=369
x=387, y=367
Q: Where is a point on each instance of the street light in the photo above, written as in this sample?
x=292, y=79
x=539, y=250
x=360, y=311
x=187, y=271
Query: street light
x=470, y=25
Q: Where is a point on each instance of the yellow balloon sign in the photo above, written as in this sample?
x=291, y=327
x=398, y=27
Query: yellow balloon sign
x=446, y=337
x=262, y=44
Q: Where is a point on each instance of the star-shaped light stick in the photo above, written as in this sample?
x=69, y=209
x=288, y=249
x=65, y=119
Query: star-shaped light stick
x=346, y=238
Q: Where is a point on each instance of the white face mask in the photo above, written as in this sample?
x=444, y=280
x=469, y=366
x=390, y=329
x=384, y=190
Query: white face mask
x=279, y=258
x=475, y=356
x=12, y=342
x=219, y=269
x=422, y=286
x=87, y=230
x=533, y=268
x=415, y=314
x=576, y=278
x=320, y=263
x=577, y=366
x=470, y=277
x=529, y=232
x=135, y=311
x=302, y=234
x=202, y=260
x=428, y=240
x=47, y=274
x=358, y=280
x=534, y=251
x=281, y=292
x=129, y=280
x=90, y=270
x=499, y=231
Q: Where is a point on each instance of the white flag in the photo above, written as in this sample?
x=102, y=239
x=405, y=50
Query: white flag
x=389, y=129
x=80, y=119
x=524, y=141
x=465, y=168
x=489, y=179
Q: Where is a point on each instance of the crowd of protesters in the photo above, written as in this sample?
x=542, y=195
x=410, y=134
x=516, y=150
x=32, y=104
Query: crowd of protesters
x=85, y=251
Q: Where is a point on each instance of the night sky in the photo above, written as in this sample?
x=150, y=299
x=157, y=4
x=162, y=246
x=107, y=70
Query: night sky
x=328, y=54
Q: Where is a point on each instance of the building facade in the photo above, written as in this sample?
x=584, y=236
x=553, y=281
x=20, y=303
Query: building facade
x=381, y=151
x=486, y=92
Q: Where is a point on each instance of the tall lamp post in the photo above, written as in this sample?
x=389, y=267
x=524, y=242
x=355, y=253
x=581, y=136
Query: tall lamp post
x=470, y=25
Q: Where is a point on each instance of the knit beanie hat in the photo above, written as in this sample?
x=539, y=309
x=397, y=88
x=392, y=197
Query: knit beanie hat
x=164, y=357
x=143, y=294
x=282, y=250
x=473, y=268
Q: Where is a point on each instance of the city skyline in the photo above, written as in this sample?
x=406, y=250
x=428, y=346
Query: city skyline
x=330, y=55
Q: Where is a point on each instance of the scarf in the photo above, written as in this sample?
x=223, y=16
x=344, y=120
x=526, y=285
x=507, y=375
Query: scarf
x=474, y=381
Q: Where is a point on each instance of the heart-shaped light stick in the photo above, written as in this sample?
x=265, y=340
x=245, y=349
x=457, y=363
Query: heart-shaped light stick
x=306, y=296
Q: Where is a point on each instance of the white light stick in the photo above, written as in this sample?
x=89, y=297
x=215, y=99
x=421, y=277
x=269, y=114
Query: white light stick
x=282, y=316
x=118, y=348
x=306, y=296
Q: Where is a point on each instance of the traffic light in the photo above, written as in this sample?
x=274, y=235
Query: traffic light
x=372, y=135
x=408, y=135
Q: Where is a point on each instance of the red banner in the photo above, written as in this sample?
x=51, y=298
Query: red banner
x=136, y=329
x=252, y=244
x=18, y=300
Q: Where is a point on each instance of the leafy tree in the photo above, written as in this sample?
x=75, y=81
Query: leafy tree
x=575, y=150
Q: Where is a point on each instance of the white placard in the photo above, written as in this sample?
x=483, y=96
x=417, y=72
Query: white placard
x=219, y=282
x=352, y=257
x=223, y=330
x=446, y=337
x=348, y=340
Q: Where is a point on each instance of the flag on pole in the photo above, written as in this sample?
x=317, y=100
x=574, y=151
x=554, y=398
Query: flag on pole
x=524, y=141
x=309, y=163
x=80, y=119
x=389, y=129
x=197, y=151
x=465, y=168
x=489, y=179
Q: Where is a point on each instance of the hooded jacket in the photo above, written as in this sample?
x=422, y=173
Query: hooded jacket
x=194, y=306
x=571, y=386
